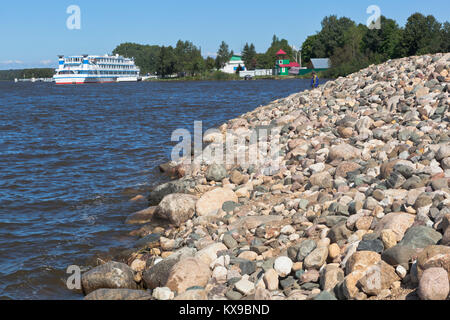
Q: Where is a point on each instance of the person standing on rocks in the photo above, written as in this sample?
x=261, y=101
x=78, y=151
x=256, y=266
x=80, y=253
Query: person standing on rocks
x=314, y=80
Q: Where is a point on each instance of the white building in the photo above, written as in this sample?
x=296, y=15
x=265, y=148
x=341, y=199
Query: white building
x=233, y=65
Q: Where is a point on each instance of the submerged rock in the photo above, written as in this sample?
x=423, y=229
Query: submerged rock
x=111, y=275
x=118, y=294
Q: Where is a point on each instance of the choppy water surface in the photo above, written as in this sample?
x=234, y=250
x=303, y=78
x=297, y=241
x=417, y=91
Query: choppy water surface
x=71, y=157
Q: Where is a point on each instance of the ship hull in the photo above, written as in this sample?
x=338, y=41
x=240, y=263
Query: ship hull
x=84, y=80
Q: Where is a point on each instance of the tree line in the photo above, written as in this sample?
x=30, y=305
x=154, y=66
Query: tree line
x=185, y=59
x=350, y=47
x=7, y=75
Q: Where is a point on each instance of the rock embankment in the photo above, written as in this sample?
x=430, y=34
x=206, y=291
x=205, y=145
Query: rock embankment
x=359, y=208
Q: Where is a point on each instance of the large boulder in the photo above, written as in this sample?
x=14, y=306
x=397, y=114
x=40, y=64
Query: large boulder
x=316, y=259
x=187, y=273
x=322, y=179
x=361, y=261
x=141, y=217
x=443, y=152
x=177, y=186
x=399, y=256
x=344, y=167
x=344, y=152
x=111, y=275
x=339, y=232
x=398, y=222
x=177, y=208
x=420, y=237
x=433, y=257
x=209, y=254
x=378, y=278
x=118, y=294
x=331, y=275
x=157, y=275
x=434, y=284
x=210, y=202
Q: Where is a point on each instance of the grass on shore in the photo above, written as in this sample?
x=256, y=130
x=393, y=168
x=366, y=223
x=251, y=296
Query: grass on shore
x=221, y=76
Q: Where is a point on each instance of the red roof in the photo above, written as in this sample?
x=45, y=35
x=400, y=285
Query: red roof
x=290, y=65
x=281, y=52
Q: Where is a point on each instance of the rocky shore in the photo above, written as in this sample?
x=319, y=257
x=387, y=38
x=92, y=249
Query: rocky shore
x=359, y=208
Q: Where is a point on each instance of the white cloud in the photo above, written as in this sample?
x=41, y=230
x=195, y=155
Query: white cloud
x=12, y=62
x=46, y=62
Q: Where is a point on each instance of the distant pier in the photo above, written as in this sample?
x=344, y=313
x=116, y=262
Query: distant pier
x=34, y=80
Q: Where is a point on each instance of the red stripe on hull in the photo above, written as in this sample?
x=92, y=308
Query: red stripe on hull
x=85, y=82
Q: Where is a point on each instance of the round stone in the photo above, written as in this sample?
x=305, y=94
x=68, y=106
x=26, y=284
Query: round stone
x=434, y=284
x=283, y=266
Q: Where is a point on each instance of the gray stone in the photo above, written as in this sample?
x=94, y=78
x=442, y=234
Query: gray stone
x=141, y=217
x=305, y=248
x=111, y=275
x=439, y=184
x=118, y=294
x=287, y=283
x=247, y=267
x=405, y=171
x=157, y=275
x=325, y=295
x=339, y=232
x=216, y=172
x=316, y=259
x=177, y=186
x=177, y=208
x=229, y=206
x=148, y=242
x=375, y=245
x=420, y=237
x=229, y=241
x=395, y=180
x=398, y=255
x=233, y=295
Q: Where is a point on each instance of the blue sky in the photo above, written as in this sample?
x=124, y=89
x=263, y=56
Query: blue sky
x=33, y=33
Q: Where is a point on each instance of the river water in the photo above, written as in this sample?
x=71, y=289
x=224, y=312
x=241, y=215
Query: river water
x=71, y=157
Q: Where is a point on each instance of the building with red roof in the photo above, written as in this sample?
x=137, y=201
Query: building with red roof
x=283, y=64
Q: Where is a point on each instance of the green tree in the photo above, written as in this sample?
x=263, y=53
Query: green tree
x=310, y=49
x=188, y=58
x=445, y=37
x=349, y=58
x=210, y=64
x=382, y=44
x=422, y=35
x=146, y=56
x=223, y=55
x=333, y=33
x=324, y=43
x=166, y=61
x=249, y=56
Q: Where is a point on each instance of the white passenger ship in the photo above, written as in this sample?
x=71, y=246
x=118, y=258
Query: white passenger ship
x=96, y=69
